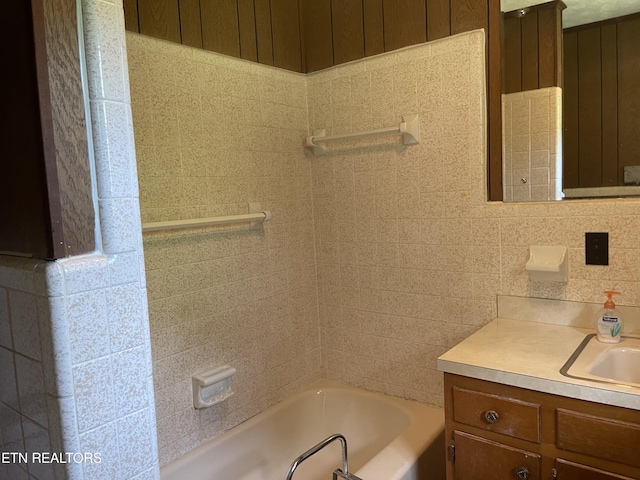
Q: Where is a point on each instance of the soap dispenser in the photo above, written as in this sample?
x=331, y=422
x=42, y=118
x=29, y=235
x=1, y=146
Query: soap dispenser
x=609, y=323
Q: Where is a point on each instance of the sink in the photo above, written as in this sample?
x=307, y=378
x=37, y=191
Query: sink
x=617, y=363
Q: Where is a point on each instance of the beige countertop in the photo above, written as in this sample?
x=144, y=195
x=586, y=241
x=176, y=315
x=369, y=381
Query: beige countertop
x=530, y=355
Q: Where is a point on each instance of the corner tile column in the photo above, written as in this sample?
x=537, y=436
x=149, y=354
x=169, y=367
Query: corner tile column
x=108, y=324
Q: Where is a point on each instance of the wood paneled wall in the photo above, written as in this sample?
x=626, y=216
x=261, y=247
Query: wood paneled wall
x=335, y=31
x=601, y=120
x=532, y=47
x=338, y=31
x=310, y=35
x=46, y=208
x=264, y=31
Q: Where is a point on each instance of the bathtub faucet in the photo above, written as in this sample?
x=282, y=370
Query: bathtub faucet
x=346, y=476
x=338, y=473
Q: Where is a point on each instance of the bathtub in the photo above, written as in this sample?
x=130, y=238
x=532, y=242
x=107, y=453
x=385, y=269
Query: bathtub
x=388, y=439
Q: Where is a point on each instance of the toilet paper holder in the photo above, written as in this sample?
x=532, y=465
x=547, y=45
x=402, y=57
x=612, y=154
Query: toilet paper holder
x=548, y=263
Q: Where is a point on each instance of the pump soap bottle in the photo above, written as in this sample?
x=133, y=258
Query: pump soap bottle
x=609, y=326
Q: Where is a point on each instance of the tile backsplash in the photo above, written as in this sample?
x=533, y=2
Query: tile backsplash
x=563, y=312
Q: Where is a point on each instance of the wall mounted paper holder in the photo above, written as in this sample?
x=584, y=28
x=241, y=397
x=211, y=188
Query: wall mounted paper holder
x=549, y=264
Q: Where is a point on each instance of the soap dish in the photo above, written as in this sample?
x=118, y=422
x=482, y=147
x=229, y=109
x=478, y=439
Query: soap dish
x=212, y=387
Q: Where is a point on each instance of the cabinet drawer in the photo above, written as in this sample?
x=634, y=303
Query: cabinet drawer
x=573, y=471
x=598, y=437
x=507, y=416
x=480, y=459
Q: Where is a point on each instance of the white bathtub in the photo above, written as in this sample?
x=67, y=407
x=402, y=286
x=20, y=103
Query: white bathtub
x=388, y=439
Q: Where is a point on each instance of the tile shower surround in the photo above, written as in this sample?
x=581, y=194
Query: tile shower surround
x=212, y=134
x=409, y=254
x=464, y=249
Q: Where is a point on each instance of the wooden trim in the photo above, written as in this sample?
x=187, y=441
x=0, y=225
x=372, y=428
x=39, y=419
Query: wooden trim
x=160, y=19
x=287, y=45
x=347, y=19
x=247, y=29
x=512, y=56
x=303, y=53
x=559, y=50
x=469, y=15
x=590, y=108
x=612, y=174
x=220, y=26
x=131, y=21
x=190, y=23
x=46, y=204
x=557, y=4
x=529, y=25
x=628, y=92
x=48, y=182
x=494, y=102
x=69, y=128
x=318, y=35
x=264, y=37
x=438, y=19
x=549, y=35
x=373, y=27
x=570, y=117
x=404, y=23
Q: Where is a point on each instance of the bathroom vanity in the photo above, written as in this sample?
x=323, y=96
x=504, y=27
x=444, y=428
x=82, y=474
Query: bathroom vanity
x=510, y=413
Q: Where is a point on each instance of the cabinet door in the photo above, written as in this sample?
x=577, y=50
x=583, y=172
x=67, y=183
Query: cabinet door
x=480, y=459
x=573, y=471
x=600, y=437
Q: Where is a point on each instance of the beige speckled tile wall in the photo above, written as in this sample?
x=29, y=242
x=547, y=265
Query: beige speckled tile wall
x=532, y=145
x=212, y=134
x=404, y=271
x=410, y=255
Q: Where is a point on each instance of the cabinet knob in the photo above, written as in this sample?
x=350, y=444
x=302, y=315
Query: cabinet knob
x=491, y=416
x=522, y=473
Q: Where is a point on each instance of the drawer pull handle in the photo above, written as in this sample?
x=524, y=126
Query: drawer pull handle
x=491, y=416
x=522, y=473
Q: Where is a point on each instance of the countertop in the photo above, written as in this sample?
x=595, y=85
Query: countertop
x=530, y=355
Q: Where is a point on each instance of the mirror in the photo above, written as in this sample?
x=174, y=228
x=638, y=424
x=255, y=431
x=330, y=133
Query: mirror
x=581, y=141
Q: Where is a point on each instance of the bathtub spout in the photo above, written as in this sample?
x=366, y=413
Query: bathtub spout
x=346, y=476
x=344, y=473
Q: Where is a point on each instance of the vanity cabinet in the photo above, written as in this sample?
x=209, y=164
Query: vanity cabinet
x=503, y=432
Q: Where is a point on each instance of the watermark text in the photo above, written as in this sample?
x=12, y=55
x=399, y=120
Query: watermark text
x=50, y=457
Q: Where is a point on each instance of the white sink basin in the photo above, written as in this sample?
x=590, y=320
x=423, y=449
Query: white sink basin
x=605, y=362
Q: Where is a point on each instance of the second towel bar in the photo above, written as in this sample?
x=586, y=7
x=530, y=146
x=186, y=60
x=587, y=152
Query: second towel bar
x=409, y=128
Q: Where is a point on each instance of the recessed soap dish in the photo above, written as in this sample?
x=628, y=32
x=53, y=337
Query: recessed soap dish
x=212, y=386
x=548, y=263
